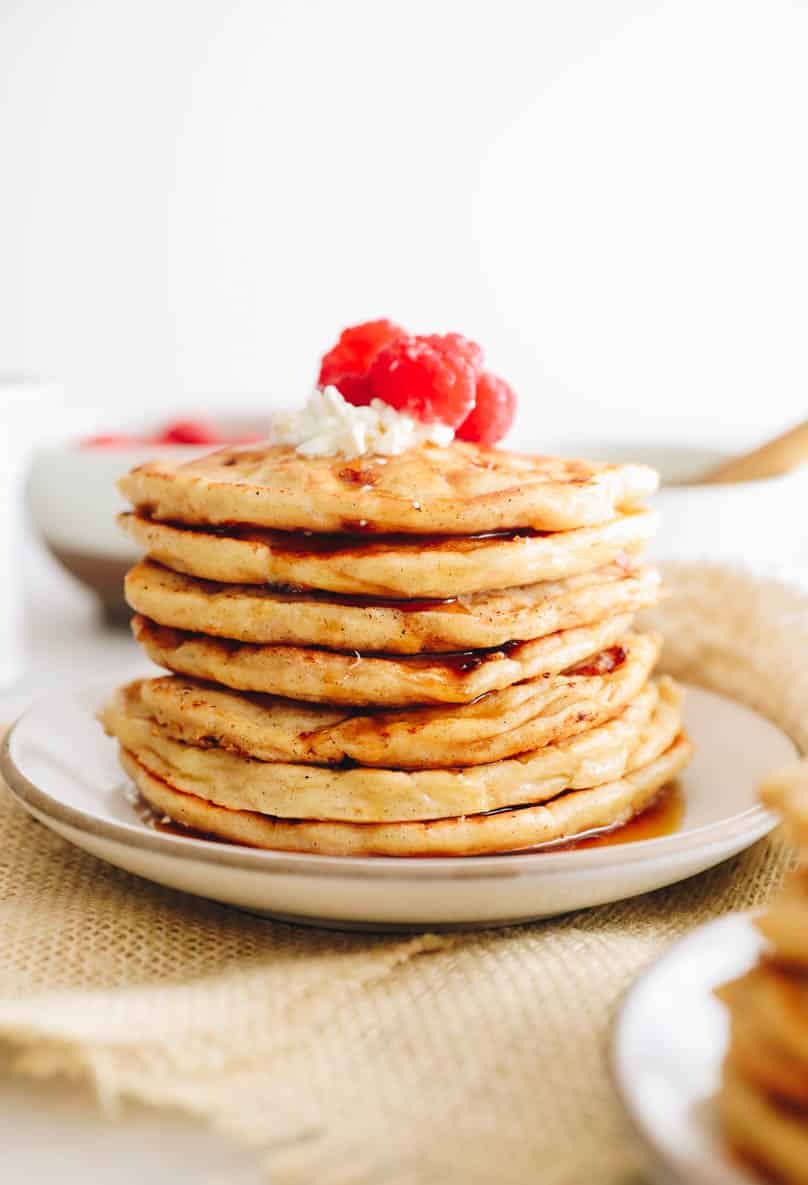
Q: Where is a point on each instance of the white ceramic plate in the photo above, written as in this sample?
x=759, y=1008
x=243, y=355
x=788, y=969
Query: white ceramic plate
x=669, y=1042
x=65, y=772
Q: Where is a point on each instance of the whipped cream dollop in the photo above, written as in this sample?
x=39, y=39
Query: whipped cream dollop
x=327, y=425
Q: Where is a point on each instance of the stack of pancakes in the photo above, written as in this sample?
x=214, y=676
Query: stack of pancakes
x=422, y=654
x=764, y=1093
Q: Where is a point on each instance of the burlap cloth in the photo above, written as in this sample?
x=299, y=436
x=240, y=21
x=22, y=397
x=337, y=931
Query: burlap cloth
x=352, y=1058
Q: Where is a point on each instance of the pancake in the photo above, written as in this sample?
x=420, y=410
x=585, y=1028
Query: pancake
x=765, y=1063
x=484, y=620
x=269, y=728
x=389, y=566
x=459, y=490
x=785, y=923
x=499, y=725
x=763, y=1100
x=786, y=791
x=777, y=1003
x=569, y=814
x=644, y=730
x=771, y=1136
x=337, y=677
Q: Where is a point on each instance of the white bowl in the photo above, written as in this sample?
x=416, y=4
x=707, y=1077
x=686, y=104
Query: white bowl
x=74, y=502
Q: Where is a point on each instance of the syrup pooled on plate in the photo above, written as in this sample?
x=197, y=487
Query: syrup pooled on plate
x=663, y=817
x=157, y=821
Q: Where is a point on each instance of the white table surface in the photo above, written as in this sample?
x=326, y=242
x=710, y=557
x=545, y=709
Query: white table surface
x=53, y=1131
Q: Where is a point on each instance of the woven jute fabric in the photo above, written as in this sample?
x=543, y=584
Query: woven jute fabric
x=348, y=1058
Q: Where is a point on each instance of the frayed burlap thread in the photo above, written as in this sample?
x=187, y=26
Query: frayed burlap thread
x=348, y=1059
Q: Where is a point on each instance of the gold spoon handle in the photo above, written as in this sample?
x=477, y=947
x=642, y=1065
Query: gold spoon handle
x=771, y=459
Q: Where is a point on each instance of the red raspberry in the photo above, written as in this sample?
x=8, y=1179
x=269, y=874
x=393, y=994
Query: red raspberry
x=456, y=343
x=346, y=365
x=425, y=379
x=493, y=411
x=109, y=440
x=188, y=432
x=354, y=388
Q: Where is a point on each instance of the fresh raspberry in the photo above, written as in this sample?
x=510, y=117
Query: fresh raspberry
x=188, y=432
x=346, y=365
x=493, y=411
x=425, y=378
x=456, y=343
x=354, y=388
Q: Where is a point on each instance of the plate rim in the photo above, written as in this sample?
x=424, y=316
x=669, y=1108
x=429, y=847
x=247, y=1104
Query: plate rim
x=754, y=823
x=645, y=1133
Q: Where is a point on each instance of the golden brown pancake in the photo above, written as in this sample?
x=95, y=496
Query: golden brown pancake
x=269, y=728
x=498, y=725
x=646, y=729
x=390, y=565
x=567, y=815
x=763, y=1101
x=480, y=621
x=765, y=1063
x=785, y=922
x=460, y=490
x=336, y=677
x=786, y=791
x=771, y=1136
x=776, y=1002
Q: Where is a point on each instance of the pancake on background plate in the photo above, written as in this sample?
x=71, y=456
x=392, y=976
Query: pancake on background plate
x=763, y=1101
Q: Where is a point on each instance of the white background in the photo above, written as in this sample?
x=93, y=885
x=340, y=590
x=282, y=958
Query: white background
x=195, y=195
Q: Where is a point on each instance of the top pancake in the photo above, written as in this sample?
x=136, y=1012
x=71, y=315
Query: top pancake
x=459, y=490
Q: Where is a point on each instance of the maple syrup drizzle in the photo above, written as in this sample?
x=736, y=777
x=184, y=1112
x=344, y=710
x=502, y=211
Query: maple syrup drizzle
x=355, y=537
x=359, y=601
x=662, y=817
x=458, y=662
x=604, y=663
x=157, y=821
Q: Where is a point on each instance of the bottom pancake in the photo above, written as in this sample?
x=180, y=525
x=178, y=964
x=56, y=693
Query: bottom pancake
x=563, y=817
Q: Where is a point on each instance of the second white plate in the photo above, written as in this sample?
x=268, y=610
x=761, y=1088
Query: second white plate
x=65, y=772
x=667, y=1056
